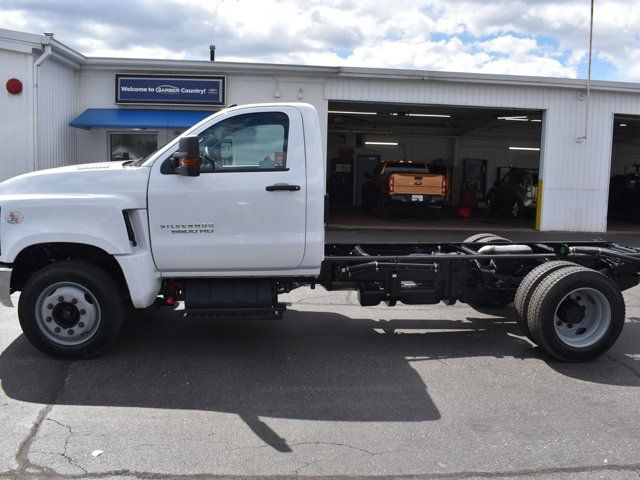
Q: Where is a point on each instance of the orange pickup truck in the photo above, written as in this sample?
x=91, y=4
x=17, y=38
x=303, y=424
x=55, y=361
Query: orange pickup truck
x=403, y=183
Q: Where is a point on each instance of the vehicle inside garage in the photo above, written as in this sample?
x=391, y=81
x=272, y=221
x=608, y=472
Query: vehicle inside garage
x=432, y=166
x=624, y=188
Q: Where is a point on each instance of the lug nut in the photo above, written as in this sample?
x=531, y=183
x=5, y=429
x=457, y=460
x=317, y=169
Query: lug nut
x=50, y=306
x=57, y=330
x=48, y=319
x=81, y=324
x=61, y=298
x=70, y=331
x=83, y=311
x=559, y=323
x=74, y=300
x=570, y=325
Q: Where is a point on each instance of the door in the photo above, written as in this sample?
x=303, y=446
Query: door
x=365, y=164
x=341, y=184
x=247, y=210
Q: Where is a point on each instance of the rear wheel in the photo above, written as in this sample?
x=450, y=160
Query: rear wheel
x=576, y=314
x=71, y=309
x=527, y=287
x=481, y=238
x=494, y=239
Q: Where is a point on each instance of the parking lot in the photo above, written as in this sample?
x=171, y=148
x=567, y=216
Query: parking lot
x=331, y=390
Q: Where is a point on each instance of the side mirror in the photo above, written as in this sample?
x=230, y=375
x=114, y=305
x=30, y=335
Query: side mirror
x=188, y=157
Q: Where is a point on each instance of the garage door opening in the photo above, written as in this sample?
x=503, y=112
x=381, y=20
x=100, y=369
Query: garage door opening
x=432, y=166
x=624, y=186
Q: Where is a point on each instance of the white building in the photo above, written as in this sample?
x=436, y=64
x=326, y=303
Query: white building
x=424, y=115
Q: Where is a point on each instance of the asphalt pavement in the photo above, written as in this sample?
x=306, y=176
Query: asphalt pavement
x=331, y=390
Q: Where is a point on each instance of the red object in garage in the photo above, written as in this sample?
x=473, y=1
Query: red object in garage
x=463, y=212
x=14, y=86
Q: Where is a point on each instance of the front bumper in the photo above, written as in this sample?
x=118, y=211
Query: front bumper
x=5, y=286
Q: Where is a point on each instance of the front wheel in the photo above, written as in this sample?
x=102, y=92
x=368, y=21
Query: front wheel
x=71, y=309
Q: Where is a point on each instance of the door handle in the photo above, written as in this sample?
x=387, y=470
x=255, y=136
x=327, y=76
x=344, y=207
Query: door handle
x=283, y=187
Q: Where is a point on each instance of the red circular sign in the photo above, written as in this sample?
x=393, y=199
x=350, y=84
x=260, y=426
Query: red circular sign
x=14, y=86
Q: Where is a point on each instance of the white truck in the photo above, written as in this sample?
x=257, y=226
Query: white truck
x=231, y=214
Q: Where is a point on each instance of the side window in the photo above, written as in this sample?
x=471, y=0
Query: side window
x=249, y=142
x=131, y=146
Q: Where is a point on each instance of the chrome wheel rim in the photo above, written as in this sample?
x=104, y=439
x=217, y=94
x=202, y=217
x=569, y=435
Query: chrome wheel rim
x=67, y=313
x=582, y=317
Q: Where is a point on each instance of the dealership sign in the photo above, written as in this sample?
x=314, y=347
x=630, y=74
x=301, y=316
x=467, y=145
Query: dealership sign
x=170, y=90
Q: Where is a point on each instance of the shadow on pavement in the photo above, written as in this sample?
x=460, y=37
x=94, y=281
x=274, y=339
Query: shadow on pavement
x=317, y=366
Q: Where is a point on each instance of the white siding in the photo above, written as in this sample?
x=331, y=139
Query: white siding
x=57, y=90
x=576, y=175
x=16, y=115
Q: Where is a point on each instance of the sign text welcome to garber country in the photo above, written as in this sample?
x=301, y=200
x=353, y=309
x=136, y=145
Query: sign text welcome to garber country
x=170, y=90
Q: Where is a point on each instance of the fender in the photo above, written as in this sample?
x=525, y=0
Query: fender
x=90, y=219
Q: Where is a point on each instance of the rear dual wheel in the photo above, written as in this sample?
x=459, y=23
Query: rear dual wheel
x=486, y=238
x=528, y=286
x=574, y=313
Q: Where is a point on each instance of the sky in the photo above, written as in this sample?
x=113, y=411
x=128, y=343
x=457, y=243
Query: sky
x=521, y=37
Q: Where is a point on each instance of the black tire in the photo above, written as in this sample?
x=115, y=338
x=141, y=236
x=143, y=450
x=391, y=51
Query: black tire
x=477, y=236
x=528, y=285
x=104, y=300
x=554, y=292
x=493, y=239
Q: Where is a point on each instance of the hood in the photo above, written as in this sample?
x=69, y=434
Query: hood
x=108, y=178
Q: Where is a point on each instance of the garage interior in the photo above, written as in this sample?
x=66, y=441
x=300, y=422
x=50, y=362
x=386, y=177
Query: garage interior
x=477, y=146
x=624, y=189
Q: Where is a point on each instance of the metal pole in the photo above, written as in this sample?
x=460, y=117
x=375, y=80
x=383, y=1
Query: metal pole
x=586, y=117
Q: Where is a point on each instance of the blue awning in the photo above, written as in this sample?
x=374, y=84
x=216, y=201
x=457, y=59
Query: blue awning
x=138, y=118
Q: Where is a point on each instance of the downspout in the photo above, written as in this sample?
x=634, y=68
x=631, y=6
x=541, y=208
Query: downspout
x=583, y=137
x=43, y=56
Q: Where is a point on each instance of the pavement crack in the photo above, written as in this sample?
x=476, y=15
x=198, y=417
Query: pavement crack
x=345, y=445
x=70, y=460
x=304, y=465
x=22, y=457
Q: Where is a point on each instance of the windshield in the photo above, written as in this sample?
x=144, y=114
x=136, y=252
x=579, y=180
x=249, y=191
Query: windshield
x=173, y=144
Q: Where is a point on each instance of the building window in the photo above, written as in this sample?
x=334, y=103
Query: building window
x=246, y=142
x=131, y=146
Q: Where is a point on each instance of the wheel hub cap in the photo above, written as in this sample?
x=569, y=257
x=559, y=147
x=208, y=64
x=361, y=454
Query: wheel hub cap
x=582, y=318
x=67, y=313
